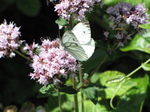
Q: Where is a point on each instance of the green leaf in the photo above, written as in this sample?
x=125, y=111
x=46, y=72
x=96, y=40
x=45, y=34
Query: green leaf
x=133, y=100
x=61, y=22
x=91, y=107
x=68, y=89
x=138, y=43
x=29, y=7
x=146, y=67
x=45, y=91
x=116, y=78
x=106, y=78
x=91, y=93
x=95, y=77
x=111, y=80
x=146, y=36
x=145, y=26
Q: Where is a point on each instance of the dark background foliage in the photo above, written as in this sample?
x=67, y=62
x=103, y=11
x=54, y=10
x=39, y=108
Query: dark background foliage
x=37, y=20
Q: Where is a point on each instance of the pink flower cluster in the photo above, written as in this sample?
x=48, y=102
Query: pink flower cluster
x=9, y=39
x=77, y=8
x=52, y=63
x=31, y=49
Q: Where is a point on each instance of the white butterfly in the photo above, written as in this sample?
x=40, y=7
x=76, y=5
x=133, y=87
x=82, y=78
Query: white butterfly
x=78, y=41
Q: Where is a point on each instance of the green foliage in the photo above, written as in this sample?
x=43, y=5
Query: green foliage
x=91, y=93
x=133, y=100
x=145, y=26
x=61, y=22
x=29, y=7
x=9, y=1
x=129, y=98
x=46, y=91
x=3, y=5
x=138, y=43
x=146, y=67
x=111, y=80
x=68, y=89
x=146, y=36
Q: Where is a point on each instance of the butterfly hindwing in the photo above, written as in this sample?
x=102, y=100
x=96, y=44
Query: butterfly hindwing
x=78, y=54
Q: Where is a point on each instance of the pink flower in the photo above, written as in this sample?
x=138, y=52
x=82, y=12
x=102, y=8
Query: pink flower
x=52, y=63
x=78, y=8
x=31, y=49
x=9, y=39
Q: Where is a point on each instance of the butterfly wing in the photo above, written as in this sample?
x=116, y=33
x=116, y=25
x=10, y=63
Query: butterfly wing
x=82, y=32
x=72, y=45
x=89, y=47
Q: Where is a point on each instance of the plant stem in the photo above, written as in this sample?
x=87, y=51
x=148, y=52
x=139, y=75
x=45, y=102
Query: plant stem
x=71, y=22
x=75, y=96
x=21, y=55
x=74, y=80
x=59, y=102
x=137, y=68
x=81, y=81
x=114, y=94
x=100, y=64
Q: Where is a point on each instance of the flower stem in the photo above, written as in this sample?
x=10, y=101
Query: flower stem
x=75, y=96
x=21, y=55
x=81, y=81
x=59, y=102
x=71, y=22
x=74, y=80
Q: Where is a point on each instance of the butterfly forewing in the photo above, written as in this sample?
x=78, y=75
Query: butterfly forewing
x=82, y=32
